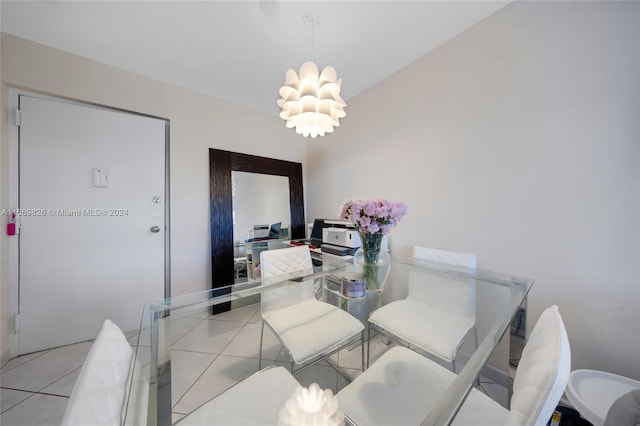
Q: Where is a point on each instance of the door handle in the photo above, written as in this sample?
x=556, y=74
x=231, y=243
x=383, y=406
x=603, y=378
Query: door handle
x=155, y=229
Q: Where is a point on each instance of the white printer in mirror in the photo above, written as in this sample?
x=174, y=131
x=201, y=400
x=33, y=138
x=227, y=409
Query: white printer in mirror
x=258, y=231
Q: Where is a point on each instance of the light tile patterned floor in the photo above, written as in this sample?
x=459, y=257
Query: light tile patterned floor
x=210, y=352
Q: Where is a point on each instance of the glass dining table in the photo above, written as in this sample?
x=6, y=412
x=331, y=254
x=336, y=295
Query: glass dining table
x=186, y=357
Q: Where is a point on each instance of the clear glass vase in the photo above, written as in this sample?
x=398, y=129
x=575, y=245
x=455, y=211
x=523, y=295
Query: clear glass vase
x=372, y=262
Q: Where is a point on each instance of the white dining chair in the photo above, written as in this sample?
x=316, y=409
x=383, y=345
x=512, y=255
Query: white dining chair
x=402, y=386
x=309, y=329
x=100, y=390
x=438, y=313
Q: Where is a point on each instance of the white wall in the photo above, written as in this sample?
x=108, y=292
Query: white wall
x=518, y=141
x=197, y=123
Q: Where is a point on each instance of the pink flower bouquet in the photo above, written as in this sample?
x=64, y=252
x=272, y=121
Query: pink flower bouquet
x=373, y=219
x=373, y=216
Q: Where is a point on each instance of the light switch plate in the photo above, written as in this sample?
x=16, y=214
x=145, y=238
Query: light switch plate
x=101, y=177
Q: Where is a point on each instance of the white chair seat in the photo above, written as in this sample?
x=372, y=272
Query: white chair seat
x=432, y=330
x=439, y=310
x=306, y=327
x=402, y=387
x=593, y=392
x=311, y=327
x=480, y=410
x=254, y=401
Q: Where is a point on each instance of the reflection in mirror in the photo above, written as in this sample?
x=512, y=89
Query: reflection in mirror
x=260, y=209
x=259, y=199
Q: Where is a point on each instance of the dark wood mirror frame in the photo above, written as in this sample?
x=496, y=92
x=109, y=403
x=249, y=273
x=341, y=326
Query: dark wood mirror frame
x=221, y=164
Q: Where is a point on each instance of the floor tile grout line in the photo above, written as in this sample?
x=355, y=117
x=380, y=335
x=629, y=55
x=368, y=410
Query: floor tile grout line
x=229, y=355
x=46, y=351
x=202, y=321
x=16, y=389
x=179, y=338
x=233, y=338
x=46, y=386
x=137, y=344
x=244, y=324
x=57, y=380
x=195, y=381
x=192, y=351
x=211, y=363
x=52, y=394
x=227, y=320
x=245, y=321
x=187, y=332
x=29, y=397
x=15, y=405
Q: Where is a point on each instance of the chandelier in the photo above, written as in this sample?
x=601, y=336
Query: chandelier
x=310, y=100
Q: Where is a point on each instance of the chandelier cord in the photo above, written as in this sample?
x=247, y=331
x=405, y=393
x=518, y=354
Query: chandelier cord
x=313, y=26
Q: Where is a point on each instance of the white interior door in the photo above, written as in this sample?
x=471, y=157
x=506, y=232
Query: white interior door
x=92, y=185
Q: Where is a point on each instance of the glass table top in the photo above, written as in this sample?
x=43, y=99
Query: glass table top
x=186, y=356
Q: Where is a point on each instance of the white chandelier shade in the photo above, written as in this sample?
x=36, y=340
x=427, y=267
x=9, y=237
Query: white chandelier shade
x=311, y=101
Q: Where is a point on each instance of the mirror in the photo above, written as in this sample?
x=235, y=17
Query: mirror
x=221, y=166
x=260, y=210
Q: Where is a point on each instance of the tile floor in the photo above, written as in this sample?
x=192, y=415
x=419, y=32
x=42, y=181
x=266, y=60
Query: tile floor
x=209, y=354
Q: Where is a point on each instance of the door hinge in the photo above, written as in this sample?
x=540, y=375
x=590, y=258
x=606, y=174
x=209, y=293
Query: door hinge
x=17, y=117
x=16, y=323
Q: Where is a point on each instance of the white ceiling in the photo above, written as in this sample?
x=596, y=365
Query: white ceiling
x=240, y=50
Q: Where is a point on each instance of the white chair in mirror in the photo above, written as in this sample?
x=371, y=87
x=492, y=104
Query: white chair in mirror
x=438, y=313
x=309, y=329
x=402, y=386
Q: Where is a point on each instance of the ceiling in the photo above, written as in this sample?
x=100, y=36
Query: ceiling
x=239, y=50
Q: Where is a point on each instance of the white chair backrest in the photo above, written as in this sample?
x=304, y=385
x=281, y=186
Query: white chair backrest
x=98, y=395
x=543, y=372
x=137, y=396
x=278, y=264
x=454, y=258
x=453, y=294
